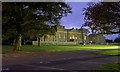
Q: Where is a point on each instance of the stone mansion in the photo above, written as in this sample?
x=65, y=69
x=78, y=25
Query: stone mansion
x=71, y=36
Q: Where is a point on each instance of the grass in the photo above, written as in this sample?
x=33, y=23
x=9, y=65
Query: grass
x=111, y=67
x=32, y=48
x=110, y=52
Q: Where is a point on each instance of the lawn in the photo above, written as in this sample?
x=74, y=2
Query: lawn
x=111, y=67
x=110, y=52
x=33, y=48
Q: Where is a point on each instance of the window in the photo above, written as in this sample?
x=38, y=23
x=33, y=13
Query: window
x=73, y=37
x=85, y=37
x=64, y=36
x=59, y=36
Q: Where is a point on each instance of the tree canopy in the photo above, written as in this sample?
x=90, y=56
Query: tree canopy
x=103, y=17
x=27, y=18
x=117, y=40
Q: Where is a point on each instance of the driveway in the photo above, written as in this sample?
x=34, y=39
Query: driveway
x=68, y=60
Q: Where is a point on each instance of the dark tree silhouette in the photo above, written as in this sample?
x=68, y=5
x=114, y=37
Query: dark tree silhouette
x=29, y=18
x=103, y=17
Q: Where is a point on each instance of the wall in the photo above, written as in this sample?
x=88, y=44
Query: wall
x=55, y=43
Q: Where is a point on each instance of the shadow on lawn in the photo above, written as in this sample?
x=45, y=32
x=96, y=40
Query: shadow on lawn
x=112, y=67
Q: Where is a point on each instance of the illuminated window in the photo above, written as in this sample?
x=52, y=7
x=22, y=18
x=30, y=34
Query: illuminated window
x=85, y=37
x=73, y=37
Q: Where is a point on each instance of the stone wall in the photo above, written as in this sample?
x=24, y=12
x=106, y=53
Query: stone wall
x=55, y=43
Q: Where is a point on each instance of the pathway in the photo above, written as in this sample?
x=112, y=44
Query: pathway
x=69, y=60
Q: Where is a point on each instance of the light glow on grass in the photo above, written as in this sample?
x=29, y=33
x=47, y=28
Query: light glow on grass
x=33, y=48
x=110, y=52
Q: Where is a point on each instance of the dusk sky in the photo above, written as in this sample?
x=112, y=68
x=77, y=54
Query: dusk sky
x=76, y=19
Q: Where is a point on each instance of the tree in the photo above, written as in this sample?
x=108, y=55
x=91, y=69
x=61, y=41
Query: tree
x=26, y=18
x=117, y=40
x=44, y=31
x=109, y=41
x=103, y=17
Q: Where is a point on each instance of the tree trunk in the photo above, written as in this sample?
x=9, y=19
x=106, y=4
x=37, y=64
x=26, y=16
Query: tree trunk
x=39, y=43
x=18, y=43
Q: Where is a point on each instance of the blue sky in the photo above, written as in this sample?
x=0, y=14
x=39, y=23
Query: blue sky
x=76, y=19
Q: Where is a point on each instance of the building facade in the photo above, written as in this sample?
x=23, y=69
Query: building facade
x=68, y=36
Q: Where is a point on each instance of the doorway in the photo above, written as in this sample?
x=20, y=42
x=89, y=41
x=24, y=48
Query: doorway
x=71, y=40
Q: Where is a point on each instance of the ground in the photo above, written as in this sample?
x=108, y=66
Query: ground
x=61, y=58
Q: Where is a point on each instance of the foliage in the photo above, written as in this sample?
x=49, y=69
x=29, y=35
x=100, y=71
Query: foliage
x=109, y=41
x=31, y=15
x=24, y=19
x=103, y=17
x=117, y=40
